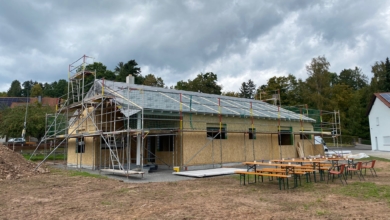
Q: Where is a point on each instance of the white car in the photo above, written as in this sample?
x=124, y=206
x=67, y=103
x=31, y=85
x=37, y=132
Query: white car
x=17, y=140
x=319, y=140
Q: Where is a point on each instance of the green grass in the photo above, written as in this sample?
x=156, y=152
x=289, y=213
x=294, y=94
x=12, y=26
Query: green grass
x=86, y=174
x=365, y=190
x=40, y=157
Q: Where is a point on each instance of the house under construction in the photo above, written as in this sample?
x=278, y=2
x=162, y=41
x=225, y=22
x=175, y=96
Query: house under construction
x=122, y=127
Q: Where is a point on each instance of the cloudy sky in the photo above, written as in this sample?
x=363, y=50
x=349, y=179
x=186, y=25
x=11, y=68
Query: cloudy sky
x=178, y=39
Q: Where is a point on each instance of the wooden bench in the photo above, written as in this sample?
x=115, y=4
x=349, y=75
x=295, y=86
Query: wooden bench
x=280, y=177
x=297, y=172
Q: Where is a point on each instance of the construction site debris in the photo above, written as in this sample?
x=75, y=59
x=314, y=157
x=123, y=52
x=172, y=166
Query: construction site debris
x=14, y=166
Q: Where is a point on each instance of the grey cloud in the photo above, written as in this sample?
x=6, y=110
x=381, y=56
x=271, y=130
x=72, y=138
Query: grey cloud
x=178, y=39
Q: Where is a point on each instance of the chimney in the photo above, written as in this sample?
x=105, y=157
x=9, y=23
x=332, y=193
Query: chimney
x=130, y=79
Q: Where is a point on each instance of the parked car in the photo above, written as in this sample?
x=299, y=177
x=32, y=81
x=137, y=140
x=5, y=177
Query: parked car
x=17, y=141
x=319, y=140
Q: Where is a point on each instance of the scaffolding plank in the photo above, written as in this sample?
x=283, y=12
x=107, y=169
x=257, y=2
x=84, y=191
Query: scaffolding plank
x=122, y=172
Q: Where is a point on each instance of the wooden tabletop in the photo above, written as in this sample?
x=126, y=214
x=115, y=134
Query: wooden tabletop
x=318, y=160
x=271, y=164
x=300, y=161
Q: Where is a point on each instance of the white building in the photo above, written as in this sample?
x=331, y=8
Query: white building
x=379, y=117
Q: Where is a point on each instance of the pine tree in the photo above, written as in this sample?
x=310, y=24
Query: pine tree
x=386, y=86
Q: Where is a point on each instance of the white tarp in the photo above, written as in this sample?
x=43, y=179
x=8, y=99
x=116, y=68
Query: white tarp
x=358, y=156
x=208, y=172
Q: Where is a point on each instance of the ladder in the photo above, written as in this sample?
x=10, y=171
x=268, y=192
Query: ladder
x=114, y=156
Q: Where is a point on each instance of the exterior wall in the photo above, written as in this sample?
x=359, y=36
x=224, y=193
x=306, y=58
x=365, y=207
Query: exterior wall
x=85, y=159
x=238, y=147
x=192, y=147
x=379, y=126
x=92, y=157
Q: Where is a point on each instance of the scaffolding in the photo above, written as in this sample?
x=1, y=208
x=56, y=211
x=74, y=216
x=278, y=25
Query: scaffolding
x=127, y=128
x=327, y=125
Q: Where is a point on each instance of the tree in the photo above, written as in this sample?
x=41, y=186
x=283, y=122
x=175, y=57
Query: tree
x=27, y=86
x=353, y=78
x=287, y=87
x=204, y=82
x=56, y=89
x=151, y=80
x=318, y=83
x=231, y=94
x=377, y=81
x=248, y=89
x=122, y=70
x=3, y=94
x=12, y=120
x=181, y=85
x=15, y=90
x=36, y=90
x=386, y=87
x=101, y=72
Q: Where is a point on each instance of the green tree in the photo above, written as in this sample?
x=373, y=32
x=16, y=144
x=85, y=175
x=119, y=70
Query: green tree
x=353, y=78
x=151, y=80
x=231, y=94
x=12, y=120
x=288, y=87
x=27, y=86
x=204, y=82
x=101, y=72
x=377, y=81
x=3, y=94
x=36, y=90
x=122, y=70
x=318, y=83
x=356, y=120
x=15, y=90
x=181, y=85
x=248, y=89
x=386, y=87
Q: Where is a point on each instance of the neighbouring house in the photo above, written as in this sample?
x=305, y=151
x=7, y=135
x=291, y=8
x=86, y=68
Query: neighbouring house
x=17, y=101
x=379, y=117
x=117, y=124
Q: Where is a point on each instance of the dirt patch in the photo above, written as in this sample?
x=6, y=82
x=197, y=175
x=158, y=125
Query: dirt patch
x=63, y=195
x=14, y=166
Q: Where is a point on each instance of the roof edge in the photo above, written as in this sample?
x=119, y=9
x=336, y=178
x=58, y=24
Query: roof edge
x=373, y=98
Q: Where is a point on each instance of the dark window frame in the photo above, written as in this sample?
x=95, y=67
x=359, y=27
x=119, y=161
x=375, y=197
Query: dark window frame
x=213, y=132
x=305, y=136
x=285, y=137
x=80, y=145
x=252, y=133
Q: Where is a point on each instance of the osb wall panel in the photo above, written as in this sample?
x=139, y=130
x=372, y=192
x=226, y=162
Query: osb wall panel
x=88, y=125
x=318, y=149
x=86, y=158
x=238, y=147
x=234, y=148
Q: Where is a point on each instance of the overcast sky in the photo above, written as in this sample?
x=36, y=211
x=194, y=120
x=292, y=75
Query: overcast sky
x=176, y=40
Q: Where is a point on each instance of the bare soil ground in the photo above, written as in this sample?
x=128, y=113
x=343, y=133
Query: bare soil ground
x=61, y=194
x=14, y=166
